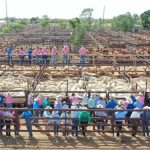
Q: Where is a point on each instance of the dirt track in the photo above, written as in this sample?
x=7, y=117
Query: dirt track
x=92, y=141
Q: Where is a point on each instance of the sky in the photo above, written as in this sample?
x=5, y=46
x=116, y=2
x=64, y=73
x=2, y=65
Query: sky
x=71, y=8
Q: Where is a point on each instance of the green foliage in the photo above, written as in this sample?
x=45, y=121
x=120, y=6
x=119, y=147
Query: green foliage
x=78, y=35
x=80, y=26
x=5, y=29
x=123, y=22
x=63, y=24
x=136, y=19
x=145, y=18
x=44, y=22
x=86, y=13
x=86, y=17
x=97, y=23
x=23, y=21
x=16, y=26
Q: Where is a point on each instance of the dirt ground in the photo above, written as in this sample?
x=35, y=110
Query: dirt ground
x=92, y=141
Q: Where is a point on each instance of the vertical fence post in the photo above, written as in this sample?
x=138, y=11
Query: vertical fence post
x=113, y=123
x=65, y=124
x=17, y=125
x=93, y=59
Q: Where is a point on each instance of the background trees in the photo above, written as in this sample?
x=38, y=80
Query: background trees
x=145, y=17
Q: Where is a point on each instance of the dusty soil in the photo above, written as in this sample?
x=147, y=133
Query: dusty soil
x=92, y=141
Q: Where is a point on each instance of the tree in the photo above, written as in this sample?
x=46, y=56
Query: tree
x=5, y=29
x=63, y=24
x=80, y=26
x=16, y=26
x=123, y=22
x=145, y=18
x=86, y=13
x=78, y=35
x=44, y=22
x=34, y=20
x=136, y=19
x=24, y=21
x=86, y=17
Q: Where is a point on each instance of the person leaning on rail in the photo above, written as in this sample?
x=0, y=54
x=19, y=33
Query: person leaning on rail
x=2, y=123
x=145, y=115
x=75, y=120
x=84, y=119
x=65, y=52
x=100, y=117
x=45, y=53
x=22, y=54
x=82, y=52
x=29, y=54
x=27, y=116
x=9, y=51
x=2, y=99
x=53, y=55
x=56, y=121
x=135, y=116
x=119, y=116
x=8, y=121
x=47, y=120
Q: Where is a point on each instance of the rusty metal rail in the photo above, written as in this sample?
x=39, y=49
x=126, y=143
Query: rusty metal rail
x=109, y=123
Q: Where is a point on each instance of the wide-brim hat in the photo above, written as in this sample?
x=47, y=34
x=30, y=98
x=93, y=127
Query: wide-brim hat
x=100, y=106
x=48, y=107
x=146, y=108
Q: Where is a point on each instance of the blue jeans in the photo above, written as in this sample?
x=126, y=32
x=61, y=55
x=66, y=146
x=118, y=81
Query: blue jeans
x=29, y=57
x=9, y=59
x=56, y=127
x=9, y=105
x=29, y=128
x=37, y=59
x=82, y=59
x=21, y=59
x=36, y=114
x=75, y=126
x=53, y=59
x=45, y=57
x=145, y=127
x=65, y=59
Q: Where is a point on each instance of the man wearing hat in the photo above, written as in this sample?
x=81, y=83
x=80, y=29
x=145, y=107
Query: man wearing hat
x=47, y=116
x=145, y=120
x=100, y=115
x=65, y=52
x=75, y=120
x=84, y=119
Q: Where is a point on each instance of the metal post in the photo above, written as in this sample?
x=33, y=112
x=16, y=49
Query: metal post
x=103, y=16
x=6, y=12
x=65, y=125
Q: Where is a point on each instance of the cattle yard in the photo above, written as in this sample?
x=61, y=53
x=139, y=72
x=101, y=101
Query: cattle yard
x=116, y=62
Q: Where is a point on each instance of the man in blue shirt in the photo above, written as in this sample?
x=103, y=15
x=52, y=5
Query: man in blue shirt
x=138, y=103
x=29, y=53
x=29, y=121
x=145, y=115
x=9, y=51
x=1, y=99
x=119, y=117
x=111, y=105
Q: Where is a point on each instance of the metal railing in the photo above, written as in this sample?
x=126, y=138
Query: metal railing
x=107, y=123
x=74, y=59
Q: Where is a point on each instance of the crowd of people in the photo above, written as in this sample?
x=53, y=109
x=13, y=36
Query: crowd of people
x=44, y=55
x=73, y=113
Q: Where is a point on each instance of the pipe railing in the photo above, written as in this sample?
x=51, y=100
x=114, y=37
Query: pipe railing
x=74, y=59
x=65, y=123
